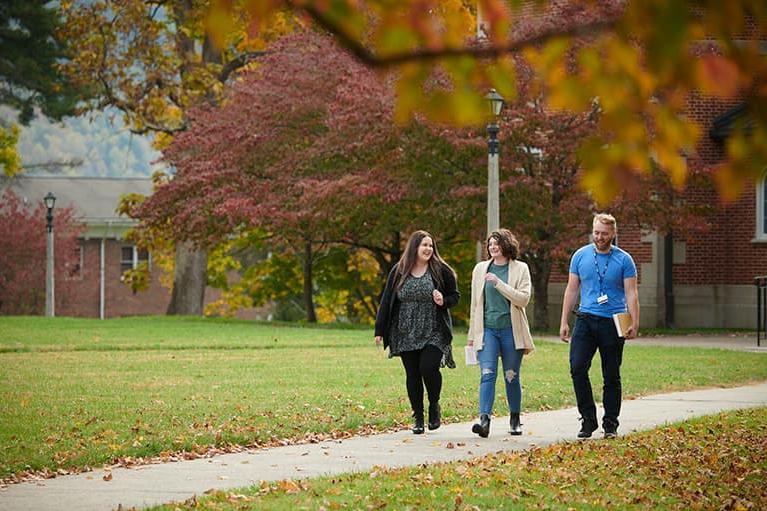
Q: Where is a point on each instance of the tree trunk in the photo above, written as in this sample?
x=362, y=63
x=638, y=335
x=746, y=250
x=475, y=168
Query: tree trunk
x=189, y=280
x=311, y=316
x=540, y=276
x=190, y=277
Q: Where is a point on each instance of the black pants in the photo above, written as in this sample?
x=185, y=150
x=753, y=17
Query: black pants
x=592, y=333
x=422, y=369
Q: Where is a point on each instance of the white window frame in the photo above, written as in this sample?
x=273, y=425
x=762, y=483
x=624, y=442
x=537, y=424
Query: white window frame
x=761, y=209
x=134, y=258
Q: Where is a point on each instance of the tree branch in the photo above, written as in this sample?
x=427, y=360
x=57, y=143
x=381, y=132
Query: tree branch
x=238, y=62
x=489, y=51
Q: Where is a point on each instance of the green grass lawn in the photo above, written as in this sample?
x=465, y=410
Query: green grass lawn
x=715, y=462
x=78, y=393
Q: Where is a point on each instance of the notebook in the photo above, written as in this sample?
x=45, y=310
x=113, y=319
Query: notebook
x=622, y=323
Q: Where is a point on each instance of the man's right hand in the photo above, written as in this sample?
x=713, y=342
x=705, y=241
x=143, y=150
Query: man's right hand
x=564, y=333
x=379, y=340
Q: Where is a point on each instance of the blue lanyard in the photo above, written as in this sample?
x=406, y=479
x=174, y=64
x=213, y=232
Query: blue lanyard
x=601, y=276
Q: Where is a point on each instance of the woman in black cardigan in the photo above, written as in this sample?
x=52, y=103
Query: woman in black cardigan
x=414, y=322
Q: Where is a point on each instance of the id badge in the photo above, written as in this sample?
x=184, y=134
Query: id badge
x=602, y=299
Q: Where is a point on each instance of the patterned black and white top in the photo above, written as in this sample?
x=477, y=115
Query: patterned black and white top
x=417, y=323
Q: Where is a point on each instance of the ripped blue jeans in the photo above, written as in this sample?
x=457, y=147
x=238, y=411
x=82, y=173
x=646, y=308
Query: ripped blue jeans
x=499, y=342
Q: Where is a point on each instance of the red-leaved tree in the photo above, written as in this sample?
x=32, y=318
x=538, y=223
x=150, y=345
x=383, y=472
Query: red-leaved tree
x=306, y=148
x=23, y=254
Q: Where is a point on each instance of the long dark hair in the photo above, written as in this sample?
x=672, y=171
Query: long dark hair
x=410, y=256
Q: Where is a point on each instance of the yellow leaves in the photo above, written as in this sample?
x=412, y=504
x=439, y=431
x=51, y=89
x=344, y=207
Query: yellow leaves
x=718, y=75
x=605, y=171
x=397, y=39
x=673, y=134
x=747, y=158
x=10, y=160
x=673, y=163
x=459, y=21
x=467, y=105
x=502, y=75
x=138, y=278
x=220, y=21
x=549, y=61
x=161, y=141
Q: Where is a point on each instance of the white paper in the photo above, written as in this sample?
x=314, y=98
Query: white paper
x=471, y=355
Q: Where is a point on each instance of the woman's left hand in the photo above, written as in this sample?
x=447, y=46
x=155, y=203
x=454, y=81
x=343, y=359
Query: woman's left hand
x=438, y=298
x=492, y=278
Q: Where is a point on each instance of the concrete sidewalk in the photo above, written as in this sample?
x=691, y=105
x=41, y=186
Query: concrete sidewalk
x=156, y=484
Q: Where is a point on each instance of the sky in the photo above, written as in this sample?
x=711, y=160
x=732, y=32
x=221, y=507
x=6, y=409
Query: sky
x=99, y=139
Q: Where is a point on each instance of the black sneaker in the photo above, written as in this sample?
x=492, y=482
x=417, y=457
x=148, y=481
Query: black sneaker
x=610, y=428
x=588, y=426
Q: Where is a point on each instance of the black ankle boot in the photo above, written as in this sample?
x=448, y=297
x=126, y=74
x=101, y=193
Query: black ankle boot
x=418, y=424
x=588, y=426
x=516, y=426
x=483, y=428
x=435, y=419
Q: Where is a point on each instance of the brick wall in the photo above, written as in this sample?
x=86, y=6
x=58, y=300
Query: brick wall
x=725, y=254
x=82, y=298
x=79, y=295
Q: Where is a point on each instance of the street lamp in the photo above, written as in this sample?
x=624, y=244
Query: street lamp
x=493, y=199
x=50, y=201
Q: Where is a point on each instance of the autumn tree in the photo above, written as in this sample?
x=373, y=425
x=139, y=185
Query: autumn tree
x=234, y=169
x=643, y=59
x=306, y=148
x=153, y=61
x=22, y=254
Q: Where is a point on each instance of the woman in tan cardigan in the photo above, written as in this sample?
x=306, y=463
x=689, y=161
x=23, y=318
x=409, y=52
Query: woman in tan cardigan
x=500, y=290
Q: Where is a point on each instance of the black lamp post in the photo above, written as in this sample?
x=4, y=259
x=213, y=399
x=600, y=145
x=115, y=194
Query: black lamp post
x=50, y=294
x=493, y=194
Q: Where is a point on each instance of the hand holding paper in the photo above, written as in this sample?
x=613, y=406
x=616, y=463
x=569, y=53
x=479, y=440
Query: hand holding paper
x=470, y=355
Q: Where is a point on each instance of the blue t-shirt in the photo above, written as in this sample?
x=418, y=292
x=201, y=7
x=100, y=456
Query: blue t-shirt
x=603, y=277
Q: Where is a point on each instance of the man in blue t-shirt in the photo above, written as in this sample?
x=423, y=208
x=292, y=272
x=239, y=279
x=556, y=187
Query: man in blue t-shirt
x=607, y=279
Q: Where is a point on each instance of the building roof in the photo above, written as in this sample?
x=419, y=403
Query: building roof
x=722, y=126
x=94, y=199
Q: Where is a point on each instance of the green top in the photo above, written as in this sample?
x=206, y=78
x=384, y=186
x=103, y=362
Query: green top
x=497, y=307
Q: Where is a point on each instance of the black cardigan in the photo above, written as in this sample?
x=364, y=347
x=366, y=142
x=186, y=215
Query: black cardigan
x=388, y=311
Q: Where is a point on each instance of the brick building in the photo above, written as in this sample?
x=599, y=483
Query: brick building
x=94, y=288
x=706, y=280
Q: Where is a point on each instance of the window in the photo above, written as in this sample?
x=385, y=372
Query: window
x=761, y=209
x=131, y=257
x=75, y=265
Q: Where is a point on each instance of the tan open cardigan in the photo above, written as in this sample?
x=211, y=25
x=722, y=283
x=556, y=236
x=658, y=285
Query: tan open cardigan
x=517, y=291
